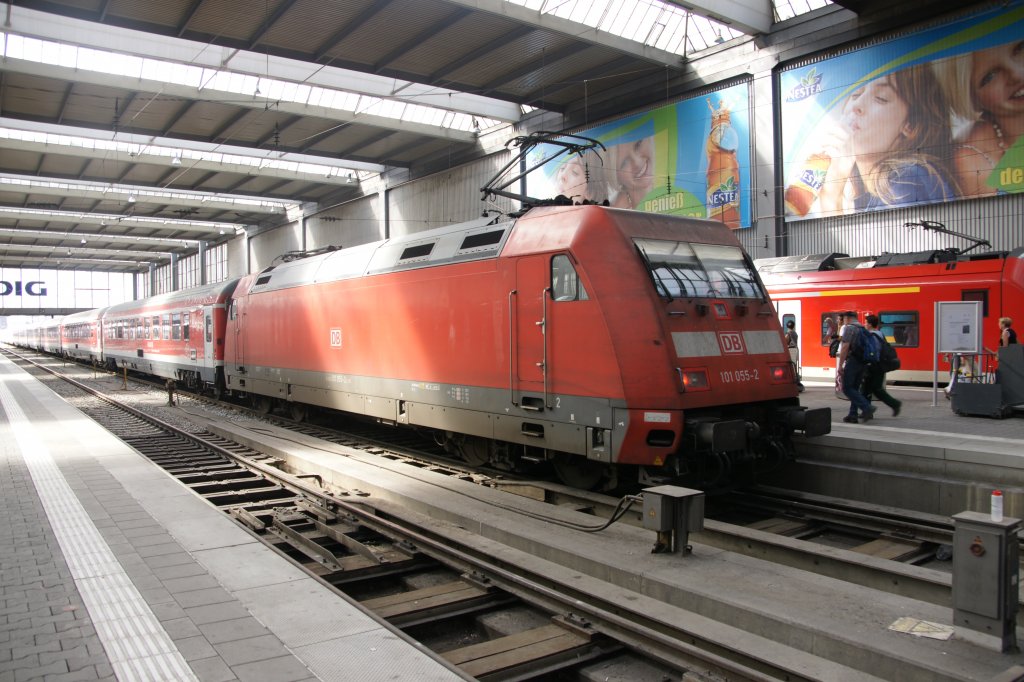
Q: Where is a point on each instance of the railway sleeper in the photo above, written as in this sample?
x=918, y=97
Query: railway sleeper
x=530, y=653
x=437, y=602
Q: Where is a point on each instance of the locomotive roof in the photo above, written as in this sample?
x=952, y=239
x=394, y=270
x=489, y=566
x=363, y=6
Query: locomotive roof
x=474, y=240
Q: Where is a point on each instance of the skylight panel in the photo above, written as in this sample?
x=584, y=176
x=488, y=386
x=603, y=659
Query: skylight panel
x=649, y=22
x=787, y=9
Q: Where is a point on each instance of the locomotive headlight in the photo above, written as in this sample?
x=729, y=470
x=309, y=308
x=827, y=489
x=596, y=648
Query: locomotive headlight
x=695, y=380
x=780, y=374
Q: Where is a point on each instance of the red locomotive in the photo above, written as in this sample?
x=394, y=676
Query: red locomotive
x=902, y=290
x=583, y=335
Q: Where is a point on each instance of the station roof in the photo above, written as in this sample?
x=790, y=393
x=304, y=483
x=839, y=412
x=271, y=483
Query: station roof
x=132, y=130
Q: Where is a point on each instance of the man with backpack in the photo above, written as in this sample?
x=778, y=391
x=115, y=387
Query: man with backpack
x=874, y=375
x=854, y=356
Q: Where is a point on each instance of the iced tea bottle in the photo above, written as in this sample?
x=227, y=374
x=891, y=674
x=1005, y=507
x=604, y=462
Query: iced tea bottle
x=723, y=188
x=801, y=193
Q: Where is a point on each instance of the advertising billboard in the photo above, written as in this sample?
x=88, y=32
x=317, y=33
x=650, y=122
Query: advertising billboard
x=32, y=289
x=934, y=116
x=691, y=158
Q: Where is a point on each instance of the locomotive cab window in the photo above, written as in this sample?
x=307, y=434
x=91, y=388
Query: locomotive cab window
x=565, y=281
x=682, y=270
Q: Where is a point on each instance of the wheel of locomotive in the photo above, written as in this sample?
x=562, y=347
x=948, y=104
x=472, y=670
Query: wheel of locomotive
x=577, y=471
x=262, y=404
x=475, y=450
x=298, y=411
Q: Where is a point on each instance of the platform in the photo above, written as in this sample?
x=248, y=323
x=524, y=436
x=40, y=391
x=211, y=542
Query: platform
x=928, y=458
x=111, y=569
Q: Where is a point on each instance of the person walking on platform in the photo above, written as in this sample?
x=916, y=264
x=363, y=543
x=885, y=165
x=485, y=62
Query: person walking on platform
x=874, y=375
x=853, y=370
x=1007, y=335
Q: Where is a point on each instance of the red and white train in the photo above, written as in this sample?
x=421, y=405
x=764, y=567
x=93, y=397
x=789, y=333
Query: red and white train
x=902, y=290
x=591, y=337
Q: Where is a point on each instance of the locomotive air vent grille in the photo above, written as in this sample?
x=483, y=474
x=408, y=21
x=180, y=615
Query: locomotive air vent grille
x=475, y=241
x=262, y=280
x=417, y=251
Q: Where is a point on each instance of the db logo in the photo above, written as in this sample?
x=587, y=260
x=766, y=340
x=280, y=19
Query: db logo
x=732, y=342
x=335, y=338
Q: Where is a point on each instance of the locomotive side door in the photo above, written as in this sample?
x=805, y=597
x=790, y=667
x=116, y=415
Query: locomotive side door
x=528, y=306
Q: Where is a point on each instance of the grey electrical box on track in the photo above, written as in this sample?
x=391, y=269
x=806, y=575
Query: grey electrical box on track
x=986, y=561
x=673, y=512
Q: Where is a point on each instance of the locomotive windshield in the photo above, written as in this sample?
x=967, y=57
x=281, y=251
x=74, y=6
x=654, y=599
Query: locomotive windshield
x=682, y=270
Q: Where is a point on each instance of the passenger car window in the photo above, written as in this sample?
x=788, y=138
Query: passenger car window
x=831, y=323
x=901, y=328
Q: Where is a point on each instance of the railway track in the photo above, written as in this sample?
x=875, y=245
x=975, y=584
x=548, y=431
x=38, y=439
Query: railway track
x=877, y=547
x=491, y=618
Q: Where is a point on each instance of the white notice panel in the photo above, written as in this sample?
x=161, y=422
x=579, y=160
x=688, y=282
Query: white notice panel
x=959, y=327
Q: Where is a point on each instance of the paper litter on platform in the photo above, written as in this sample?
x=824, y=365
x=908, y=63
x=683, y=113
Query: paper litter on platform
x=922, y=628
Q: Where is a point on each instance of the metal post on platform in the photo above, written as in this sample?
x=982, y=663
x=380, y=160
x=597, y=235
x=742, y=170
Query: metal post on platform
x=673, y=512
x=986, y=567
x=935, y=358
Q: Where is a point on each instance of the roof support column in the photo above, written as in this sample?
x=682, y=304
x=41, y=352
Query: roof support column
x=203, y=246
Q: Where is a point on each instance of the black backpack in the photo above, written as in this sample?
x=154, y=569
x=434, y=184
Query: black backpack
x=888, y=360
x=833, y=348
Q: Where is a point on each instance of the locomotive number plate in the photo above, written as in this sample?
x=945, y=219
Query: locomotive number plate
x=736, y=376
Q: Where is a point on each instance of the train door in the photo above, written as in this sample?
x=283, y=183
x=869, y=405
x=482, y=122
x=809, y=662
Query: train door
x=209, y=351
x=789, y=311
x=529, y=306
x=235, y=322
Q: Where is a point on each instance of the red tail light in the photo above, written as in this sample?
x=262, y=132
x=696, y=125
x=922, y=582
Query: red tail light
x=780, y=374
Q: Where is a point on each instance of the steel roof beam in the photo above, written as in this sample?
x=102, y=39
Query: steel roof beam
x=70, y=31
x=100, y=191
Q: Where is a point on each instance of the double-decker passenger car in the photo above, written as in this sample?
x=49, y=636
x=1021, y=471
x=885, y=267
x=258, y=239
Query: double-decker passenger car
x=179, y=335
x=81, y=336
